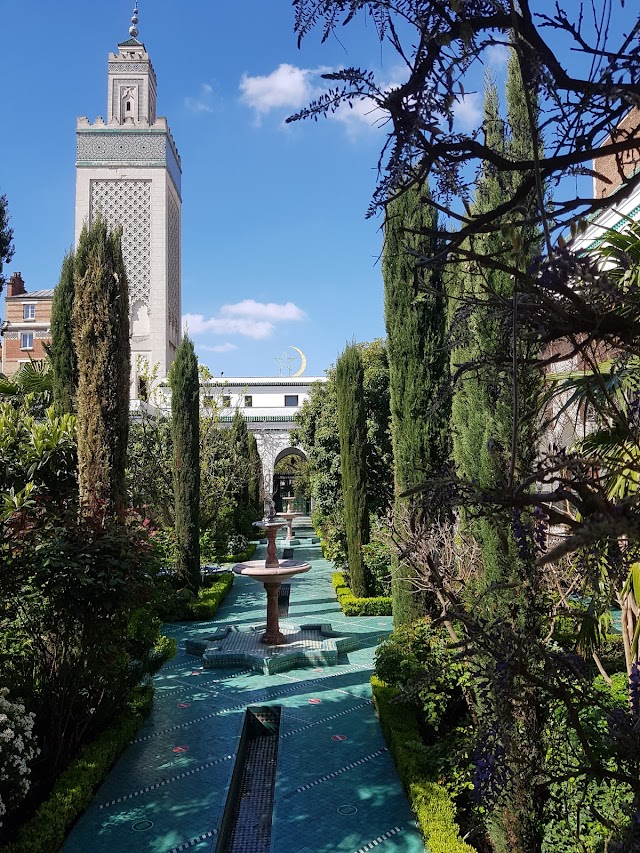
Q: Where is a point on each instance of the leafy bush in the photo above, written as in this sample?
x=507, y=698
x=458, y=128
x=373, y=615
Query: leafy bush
x=417, y=659
x=237, y=544
x=17, y=749
x=166, y=546
x=431, y=803
x=333, y=539
x=353, y=606
x=38, y=450
x=587, y=816
x=240, y=556
x=85, y=585
x=377, y=559
x=75, y=787
x=182, y=605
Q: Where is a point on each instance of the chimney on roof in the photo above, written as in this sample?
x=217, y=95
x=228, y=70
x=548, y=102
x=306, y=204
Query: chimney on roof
x=16, y=285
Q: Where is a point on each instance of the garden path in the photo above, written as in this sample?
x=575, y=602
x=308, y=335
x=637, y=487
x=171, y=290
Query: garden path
x=336, y=788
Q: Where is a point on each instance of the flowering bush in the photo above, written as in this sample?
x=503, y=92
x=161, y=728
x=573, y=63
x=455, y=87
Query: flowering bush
x=17, y=749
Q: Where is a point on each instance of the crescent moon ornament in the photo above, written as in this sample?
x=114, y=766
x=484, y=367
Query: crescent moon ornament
x=303, y=360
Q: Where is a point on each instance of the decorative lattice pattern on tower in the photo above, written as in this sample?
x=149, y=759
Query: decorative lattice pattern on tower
x=121, y=146
x=173, y=263
x=114, y=67
x=128, y=203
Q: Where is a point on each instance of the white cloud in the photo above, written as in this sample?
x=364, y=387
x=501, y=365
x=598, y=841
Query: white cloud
x=287, y=86
x=497, y=56
x=264, y=310
x=468, y=110
x=249, y=319
x=196, y=324
x=203, y=102
x=228, y=347
x=361, y=115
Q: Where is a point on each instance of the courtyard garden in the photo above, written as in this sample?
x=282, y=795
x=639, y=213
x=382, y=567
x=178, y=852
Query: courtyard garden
x=473, y=479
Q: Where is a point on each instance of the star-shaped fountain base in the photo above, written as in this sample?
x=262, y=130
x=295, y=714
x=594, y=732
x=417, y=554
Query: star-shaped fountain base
x=304, y=645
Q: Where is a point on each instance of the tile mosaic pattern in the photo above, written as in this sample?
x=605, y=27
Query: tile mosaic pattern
x=336, y=787
x=306, y=645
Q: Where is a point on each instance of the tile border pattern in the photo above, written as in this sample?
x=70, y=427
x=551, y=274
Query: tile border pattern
x=344, y=769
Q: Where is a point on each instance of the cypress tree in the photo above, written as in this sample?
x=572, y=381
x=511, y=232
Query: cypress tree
x=418, y=367
x=62, y=353
x=243, y=514
x=255, y=478
x=483, y=420
x=352, y=431
x=185, y=430
x=101, y=341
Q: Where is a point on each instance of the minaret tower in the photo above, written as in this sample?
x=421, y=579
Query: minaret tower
x=128, y=170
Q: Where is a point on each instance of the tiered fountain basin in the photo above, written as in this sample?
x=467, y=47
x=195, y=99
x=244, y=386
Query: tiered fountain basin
x=289, y=514
x=271, y=648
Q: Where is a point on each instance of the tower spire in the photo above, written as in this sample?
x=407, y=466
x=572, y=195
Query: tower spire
x=133, y=29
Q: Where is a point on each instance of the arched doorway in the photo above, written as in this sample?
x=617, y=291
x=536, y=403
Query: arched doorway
x=288, y=479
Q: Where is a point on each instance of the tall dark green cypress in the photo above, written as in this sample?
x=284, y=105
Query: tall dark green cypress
x=255, y=479
x=185, y=430
x=352, y=430
x=101, y=341
x=62, y=353
x=418, y=367
x=242, y=441
x=483, y=421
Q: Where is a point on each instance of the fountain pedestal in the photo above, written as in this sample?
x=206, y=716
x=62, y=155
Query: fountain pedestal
x=278, y=649
x=289, y=515
x=273, y=636
x=271, y=574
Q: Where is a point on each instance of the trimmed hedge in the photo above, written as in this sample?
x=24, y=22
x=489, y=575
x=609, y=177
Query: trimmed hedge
x=431, y=803
x=183, y=606
x=73, y=791
x=245, y=555
x=209, y=598
x=379, y=605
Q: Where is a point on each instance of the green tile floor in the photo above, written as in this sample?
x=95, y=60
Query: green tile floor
x=336, y=787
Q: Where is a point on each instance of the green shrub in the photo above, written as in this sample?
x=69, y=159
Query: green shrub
x=431, y=803
x=183, y=606
x=587, y=815
x=377, y=558
x=352, y=606
x=418, y=660
x=242, y=556
x=75, y=787
x=209, y=599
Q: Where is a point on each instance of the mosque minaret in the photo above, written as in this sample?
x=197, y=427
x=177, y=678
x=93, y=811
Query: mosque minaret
x=128, y=171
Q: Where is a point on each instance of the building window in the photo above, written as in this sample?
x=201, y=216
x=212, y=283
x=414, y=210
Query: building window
x=26, y=340
x=291, y=399
x=226, y=402
x=28, y=312
x=248, y=400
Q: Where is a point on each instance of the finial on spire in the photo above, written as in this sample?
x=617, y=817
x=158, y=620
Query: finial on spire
x=133, y=29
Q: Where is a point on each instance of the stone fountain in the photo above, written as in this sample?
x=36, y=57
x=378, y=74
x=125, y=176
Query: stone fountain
x=289, y=515
x=271, y=573
x=279, y=647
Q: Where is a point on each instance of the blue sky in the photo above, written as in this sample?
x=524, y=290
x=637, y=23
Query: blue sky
x=272, y=214
x=276, y=248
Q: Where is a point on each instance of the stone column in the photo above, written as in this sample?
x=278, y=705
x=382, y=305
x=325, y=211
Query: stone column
x=272, y=636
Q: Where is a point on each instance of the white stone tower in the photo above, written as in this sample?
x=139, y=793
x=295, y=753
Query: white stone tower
x=128, y=170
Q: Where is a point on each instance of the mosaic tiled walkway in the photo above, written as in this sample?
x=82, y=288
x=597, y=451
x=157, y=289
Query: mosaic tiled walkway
x=336, y=788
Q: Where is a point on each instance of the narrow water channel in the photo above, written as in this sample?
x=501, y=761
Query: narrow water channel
x=248, y=818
